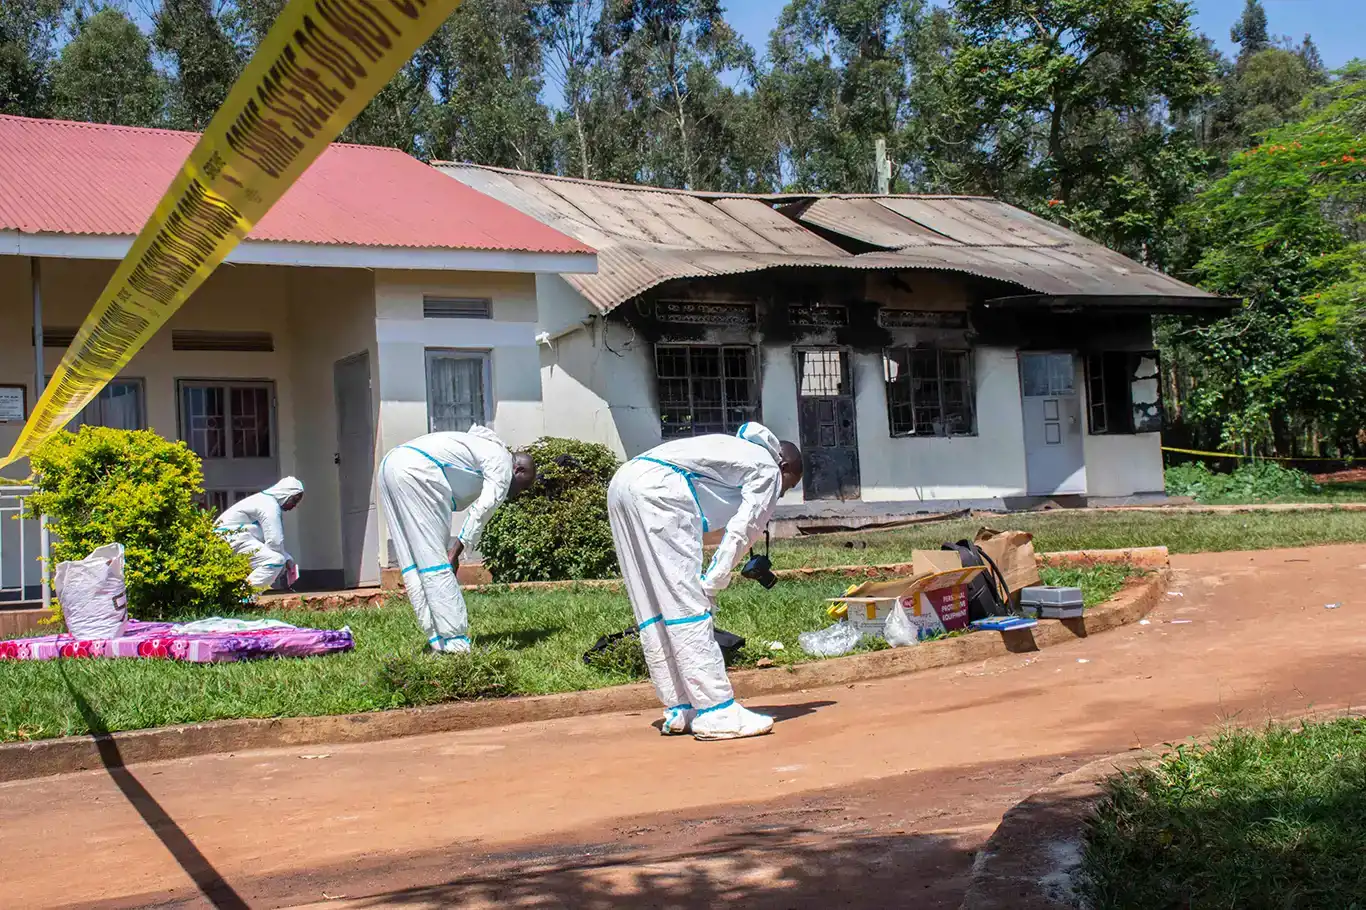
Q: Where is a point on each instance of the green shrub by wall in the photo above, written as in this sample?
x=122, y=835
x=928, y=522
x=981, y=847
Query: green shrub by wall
x=558, y=530
x=1253, y=481
x=103, y=486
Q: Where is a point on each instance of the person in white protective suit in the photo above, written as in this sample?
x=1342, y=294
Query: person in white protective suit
x=421, y=484
x=255, y=529
x=661, y=504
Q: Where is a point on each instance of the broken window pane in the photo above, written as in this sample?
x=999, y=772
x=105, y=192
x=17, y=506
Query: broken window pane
x=929, y=392
x=1145, y=395
x=1124, y=392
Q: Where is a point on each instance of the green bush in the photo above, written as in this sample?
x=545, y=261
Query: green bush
x=430, y=679
x=557, y=530
x=1254, y=481
x=105, y=486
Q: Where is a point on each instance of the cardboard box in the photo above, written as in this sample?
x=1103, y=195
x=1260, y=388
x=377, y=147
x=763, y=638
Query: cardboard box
x=931, y=562
x=935, y=603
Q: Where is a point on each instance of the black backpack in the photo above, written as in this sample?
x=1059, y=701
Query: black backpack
x=987, y=593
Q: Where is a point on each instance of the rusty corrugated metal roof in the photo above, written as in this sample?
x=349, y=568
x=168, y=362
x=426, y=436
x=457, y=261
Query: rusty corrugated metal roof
x=647, y=236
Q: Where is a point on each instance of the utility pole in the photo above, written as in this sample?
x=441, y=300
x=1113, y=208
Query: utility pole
x=882, y=167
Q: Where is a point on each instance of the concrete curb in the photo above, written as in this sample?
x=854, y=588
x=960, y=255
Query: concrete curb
x=21, y=761
x=1031, y=860
x=1029, y=863
x=1143, y=557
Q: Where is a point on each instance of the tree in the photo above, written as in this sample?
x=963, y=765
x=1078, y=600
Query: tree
x=194, y=35
x=28, y=30
x=1080, y=109
x=666, y=62
x=1250, y=31
x=1309, y=55
x=844, y=73
x=1283, y=231
x=487, y=67
x=400, y=115
x=105, y=73
x=567, y=31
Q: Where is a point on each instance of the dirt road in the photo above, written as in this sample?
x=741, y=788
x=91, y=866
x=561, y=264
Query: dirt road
x=873, y=795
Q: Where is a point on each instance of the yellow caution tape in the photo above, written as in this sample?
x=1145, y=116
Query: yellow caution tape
x=1256, y=457
x=319, y=66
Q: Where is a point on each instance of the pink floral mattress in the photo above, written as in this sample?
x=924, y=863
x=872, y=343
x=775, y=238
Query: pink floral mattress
x=188, y=643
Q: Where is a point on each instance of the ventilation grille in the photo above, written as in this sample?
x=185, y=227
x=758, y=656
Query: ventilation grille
x=57, y=337
x=457, y=308
x=189, y=340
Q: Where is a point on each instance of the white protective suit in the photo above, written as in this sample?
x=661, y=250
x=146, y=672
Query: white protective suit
x=421, y=484
x=255, y=528
x=660, y=505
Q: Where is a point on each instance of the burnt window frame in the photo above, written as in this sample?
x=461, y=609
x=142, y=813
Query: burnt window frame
x=900, y=392
x=749, y=411
x=1114, y=380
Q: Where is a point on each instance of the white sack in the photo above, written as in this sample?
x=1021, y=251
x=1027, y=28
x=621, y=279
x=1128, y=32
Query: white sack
x=91, y=593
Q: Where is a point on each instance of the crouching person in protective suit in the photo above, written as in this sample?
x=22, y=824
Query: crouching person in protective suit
x=255, y=528
x=660, y=505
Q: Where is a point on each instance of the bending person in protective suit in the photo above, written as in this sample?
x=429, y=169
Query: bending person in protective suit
x=660, y=505
x=255, y=529
x=422, y=483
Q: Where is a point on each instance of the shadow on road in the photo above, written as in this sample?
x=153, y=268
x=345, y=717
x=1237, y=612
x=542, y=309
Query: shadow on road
x=758, y=868
x=196, y=865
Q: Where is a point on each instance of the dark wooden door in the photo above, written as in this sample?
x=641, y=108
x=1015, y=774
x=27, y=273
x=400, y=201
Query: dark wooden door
x=829, y=432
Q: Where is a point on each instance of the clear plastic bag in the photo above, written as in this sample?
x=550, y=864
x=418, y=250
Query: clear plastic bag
x=899, y=631
x=832, y=641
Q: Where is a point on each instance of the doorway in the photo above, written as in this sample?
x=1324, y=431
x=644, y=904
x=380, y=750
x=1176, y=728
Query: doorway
x=826, y=421
x=356, y=469
x=1055, y=459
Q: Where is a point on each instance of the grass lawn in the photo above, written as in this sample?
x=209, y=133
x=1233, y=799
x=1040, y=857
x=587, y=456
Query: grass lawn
x=1063, y=530
x=1272, y=820
x=529, y=643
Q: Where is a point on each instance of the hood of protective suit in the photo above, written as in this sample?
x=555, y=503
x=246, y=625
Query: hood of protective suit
x=486, y=434
x=761, y=436
x=286, y=488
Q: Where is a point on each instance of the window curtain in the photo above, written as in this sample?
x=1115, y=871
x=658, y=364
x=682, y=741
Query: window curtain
x=455, y=392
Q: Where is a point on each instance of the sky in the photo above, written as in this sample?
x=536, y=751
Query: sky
x=1338, y=26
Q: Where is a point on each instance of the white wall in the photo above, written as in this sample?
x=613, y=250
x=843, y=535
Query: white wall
x=331, y=316
x=986, y=466
x=598, y=380
x=403, y=336
x=1124, y=465
x=778, y=399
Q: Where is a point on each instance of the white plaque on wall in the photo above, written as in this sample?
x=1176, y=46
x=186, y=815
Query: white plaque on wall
x=13, y=403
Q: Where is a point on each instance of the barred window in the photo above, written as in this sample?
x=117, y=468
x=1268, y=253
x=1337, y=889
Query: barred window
x=929, y=392
x=705, y=388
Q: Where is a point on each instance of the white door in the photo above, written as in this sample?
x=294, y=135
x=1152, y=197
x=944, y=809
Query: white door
x=356, y=471
x=1055, y=460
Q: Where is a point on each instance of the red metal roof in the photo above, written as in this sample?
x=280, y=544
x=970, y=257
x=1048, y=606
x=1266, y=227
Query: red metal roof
x=86, y=178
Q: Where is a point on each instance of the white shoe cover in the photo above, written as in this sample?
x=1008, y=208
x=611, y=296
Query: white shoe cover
x=730, y=722
x=677, y=720
x=450, y=645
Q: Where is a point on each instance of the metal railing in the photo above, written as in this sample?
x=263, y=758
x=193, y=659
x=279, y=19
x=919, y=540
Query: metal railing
x=26, y=538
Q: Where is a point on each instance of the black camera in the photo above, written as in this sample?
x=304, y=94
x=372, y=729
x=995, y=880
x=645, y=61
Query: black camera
x=760, y=568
